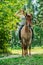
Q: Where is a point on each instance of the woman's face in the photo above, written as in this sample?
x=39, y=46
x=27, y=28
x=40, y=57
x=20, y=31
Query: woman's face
x=22, y=12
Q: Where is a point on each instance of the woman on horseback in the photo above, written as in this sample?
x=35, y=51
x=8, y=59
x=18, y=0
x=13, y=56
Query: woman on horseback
x=22, y=15
x=25, y=32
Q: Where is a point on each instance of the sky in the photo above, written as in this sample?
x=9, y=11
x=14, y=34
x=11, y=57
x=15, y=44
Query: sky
x=34, y=1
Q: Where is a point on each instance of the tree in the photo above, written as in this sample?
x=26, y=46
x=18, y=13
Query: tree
x=7, y=20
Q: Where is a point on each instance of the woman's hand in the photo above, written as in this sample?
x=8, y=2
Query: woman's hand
x=18, y=15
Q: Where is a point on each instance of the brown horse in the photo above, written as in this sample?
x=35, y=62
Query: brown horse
x=26, y=36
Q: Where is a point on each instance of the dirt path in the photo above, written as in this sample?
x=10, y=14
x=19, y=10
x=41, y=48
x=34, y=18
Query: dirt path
x=15, y=56
x=11, y=56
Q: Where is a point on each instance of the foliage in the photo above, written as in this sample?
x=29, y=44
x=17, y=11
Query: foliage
x=8, y=21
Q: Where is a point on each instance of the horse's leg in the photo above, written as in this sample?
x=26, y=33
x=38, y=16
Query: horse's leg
x=24, y=48
x=30, y=46
x=26, y=51
x=29, y=49
x=22, y=51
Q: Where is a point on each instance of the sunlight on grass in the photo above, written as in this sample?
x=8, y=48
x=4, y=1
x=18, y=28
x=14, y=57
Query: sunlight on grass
x=35, y=50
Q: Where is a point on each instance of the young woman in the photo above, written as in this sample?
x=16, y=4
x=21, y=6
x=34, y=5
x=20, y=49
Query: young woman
x=21, y=15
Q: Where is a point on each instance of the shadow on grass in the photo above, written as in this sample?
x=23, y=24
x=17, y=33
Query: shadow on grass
x=36, y=59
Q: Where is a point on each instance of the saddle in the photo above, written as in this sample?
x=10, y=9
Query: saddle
x=20, y=31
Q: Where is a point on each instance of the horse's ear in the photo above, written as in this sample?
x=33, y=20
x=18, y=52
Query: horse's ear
x=25, y=14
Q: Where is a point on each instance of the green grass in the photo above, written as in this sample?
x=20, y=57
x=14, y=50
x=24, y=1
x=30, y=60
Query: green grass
x=28, y=60
x=37, y=50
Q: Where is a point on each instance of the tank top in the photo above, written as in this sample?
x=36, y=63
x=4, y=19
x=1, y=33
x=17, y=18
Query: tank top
x=22, y=19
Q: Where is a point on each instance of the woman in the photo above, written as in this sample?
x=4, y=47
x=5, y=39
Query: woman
x=21, y=15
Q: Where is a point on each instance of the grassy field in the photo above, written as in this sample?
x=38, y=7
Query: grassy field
x=28, y=60
x=35, y=59
x=35, y=50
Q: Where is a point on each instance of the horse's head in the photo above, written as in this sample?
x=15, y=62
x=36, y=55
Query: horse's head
x=28, y=19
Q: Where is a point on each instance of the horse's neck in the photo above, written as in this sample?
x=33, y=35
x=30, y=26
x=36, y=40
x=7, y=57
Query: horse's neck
x=27, y=29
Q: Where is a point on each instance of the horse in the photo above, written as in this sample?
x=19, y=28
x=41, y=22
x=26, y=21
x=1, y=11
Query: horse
x=25, y=35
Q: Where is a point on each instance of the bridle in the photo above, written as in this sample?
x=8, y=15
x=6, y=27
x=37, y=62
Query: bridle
x=28, y=20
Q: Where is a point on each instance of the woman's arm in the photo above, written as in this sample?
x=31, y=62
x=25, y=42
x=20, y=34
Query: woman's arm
x=17, y=14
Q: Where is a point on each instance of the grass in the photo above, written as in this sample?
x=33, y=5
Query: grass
x=34, y=50
x=28, y=60
x=36, y=59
